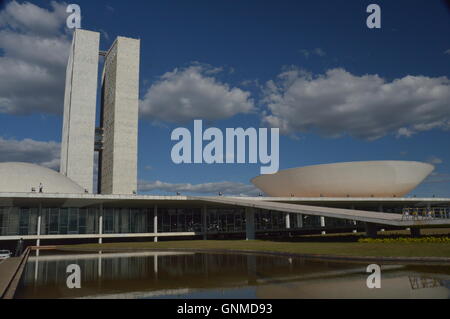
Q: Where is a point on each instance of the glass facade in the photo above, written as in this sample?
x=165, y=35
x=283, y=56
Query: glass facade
x=127, y=220
x=269, y=220
x=179, y=220
x=16, y=221
x=337, y=222
x=225, y=220
x=63, y=221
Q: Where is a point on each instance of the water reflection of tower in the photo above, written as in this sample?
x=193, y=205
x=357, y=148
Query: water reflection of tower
x=251, y=269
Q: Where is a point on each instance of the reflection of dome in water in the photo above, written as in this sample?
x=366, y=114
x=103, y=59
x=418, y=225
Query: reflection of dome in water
x=353, y=179
x=22, y=177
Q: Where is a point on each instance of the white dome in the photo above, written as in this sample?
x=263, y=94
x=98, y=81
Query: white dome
x=22, y=177
x=353, y=179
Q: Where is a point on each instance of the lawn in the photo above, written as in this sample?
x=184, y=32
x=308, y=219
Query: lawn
x=322, y=248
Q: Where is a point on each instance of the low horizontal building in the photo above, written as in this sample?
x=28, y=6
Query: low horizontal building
x=40, y=204
x=50, y=216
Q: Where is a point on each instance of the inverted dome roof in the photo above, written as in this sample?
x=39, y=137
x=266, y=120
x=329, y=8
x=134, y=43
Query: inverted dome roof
x=22, y=177
x=353, y=179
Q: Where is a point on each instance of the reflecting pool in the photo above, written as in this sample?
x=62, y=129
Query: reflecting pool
x=210, y=275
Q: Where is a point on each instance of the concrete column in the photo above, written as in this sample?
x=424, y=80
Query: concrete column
x=100, y=224
x=288, y=220
x=299, y=220
x=36, y=266
x=371, y=230
x=428, y=214
x=415, y=231
x=99, y=261
x=250, y=223
x=204, y=222
x=38, y=231
x=354, y=222
x=322, y=224
x=380, y=209
x=155, y=223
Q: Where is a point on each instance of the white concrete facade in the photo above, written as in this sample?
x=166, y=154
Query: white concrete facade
x=120, y=109
x=77, y=148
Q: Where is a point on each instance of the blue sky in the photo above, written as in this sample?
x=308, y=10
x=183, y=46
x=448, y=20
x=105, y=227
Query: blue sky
x=339, y=91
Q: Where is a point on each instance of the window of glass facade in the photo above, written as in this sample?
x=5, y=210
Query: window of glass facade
x=311, y=221
x=269, y=220
x=18, y=221
x=63, y=221
x=28, y=221
x=225, y=219
x=127, y=220
x=179, y=220
x=337, y=222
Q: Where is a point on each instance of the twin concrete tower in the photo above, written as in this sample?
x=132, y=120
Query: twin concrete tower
x=115, y=139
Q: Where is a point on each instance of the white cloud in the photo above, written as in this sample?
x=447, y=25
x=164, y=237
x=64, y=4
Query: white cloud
x=404, y=132
x=367, y=106
x=30, y=151
x=27, y=17
x=434, y=160
x=35, y=48
x=226, y=188
x=104, y=34
x=447, y=52
x=193, y=93
x=251, y=83
x=317, y=51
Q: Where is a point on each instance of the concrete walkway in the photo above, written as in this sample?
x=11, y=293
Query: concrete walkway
x=10, y=272
x=8, y=268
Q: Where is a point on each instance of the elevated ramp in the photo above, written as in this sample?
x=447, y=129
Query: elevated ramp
x=349, y=214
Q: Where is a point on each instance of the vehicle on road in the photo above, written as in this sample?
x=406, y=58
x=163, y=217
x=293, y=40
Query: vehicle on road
x=4, y=254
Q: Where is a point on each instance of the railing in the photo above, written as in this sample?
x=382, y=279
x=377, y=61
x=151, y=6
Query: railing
x=418, y=213
x=14, y=279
